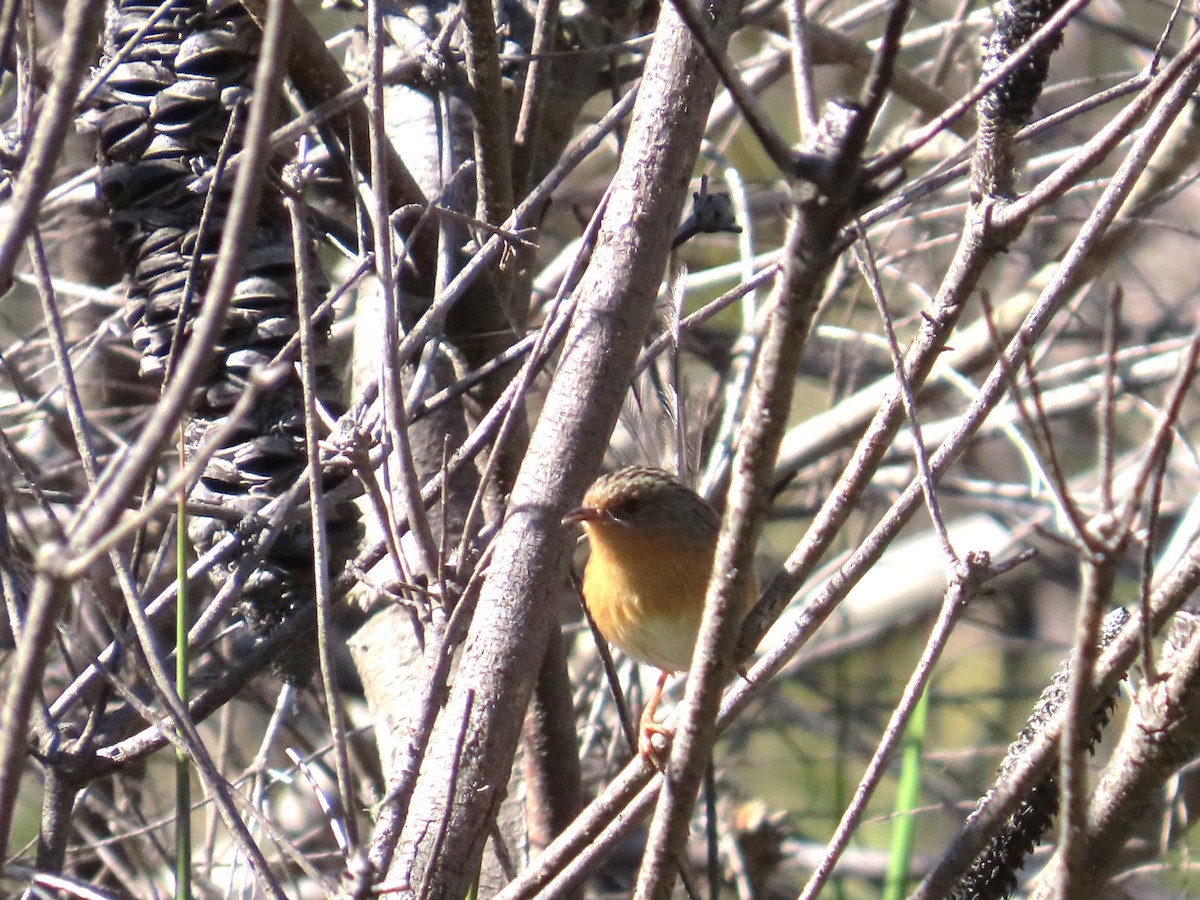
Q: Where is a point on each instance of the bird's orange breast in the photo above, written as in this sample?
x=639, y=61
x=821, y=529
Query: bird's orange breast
x=646, y=593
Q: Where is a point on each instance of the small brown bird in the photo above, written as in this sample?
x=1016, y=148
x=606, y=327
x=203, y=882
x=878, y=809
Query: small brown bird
x=652, y=543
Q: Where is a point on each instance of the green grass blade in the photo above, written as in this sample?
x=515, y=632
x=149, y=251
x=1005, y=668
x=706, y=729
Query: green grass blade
x=908, y=795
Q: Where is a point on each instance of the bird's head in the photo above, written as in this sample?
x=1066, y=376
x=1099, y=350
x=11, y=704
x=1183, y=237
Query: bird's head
x=640, y=501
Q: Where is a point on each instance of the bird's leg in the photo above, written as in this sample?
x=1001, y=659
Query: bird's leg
x=648, y=727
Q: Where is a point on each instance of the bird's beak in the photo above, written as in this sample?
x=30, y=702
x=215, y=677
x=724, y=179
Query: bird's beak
x=581, y=515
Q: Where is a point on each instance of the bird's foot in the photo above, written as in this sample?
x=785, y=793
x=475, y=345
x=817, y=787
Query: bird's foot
x=654, y=742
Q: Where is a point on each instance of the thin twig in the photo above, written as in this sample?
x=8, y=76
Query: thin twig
x=806, y=108
x=320, y=539
x=967, y=581
x=81, y=27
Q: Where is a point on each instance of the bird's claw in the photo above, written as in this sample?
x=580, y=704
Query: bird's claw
x=654, y=743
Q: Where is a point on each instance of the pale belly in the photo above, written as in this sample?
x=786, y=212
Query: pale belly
x=665, y=643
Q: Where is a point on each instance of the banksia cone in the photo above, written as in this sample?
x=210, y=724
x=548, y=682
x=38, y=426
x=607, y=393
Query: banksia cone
x=162, y=117
x=1008, y=106
x=993, y=875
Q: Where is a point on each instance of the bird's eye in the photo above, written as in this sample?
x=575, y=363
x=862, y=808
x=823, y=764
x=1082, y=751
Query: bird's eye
x=626, y=509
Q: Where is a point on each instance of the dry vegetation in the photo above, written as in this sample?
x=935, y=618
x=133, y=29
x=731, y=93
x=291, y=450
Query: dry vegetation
x=431, y=271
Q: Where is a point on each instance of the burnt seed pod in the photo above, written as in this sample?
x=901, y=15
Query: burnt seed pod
x=161, y=119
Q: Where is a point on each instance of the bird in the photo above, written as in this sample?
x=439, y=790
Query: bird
x=652, y=541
